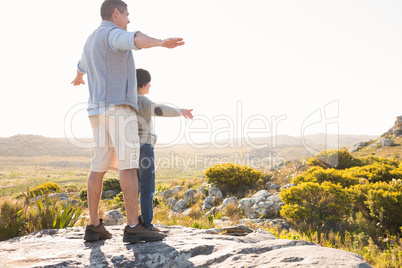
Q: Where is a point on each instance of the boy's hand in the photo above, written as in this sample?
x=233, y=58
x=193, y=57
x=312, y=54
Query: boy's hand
x=186, y=113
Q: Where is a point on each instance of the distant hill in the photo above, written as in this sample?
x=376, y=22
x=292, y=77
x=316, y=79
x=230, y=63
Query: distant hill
x=34, y=145
x=291, y=147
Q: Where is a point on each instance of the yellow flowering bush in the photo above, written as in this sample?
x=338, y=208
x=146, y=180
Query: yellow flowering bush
x=381, y=202
x=313, y=205
x=338, y=159
x=320, y=175
x=232, y=176
x=44, y=188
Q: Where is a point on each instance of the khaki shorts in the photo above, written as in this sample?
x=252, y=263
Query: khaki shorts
x=116, y=139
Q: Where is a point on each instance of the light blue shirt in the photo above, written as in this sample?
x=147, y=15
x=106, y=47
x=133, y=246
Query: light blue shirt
x=118, y=40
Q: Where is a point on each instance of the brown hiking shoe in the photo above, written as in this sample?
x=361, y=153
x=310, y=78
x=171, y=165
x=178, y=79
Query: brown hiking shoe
x=141, y=232
x=153, y=228
x=99, y=232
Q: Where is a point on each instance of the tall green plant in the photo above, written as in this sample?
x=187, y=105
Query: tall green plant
x=47, y=213
x=20, y=218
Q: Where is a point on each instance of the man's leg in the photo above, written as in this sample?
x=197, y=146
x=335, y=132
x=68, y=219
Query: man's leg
x=129, y=186
x=94, y=191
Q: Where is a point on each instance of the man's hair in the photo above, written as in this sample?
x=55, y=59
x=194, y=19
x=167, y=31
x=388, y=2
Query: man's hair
x=143, y=78
x=108, y=7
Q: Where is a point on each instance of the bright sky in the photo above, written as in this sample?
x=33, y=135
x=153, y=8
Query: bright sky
x=254, y=68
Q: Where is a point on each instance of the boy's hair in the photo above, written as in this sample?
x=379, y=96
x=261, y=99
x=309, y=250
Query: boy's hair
x=143, y=78
x=108, y=7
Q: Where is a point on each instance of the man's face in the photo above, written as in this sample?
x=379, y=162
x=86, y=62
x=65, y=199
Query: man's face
x=122, y=19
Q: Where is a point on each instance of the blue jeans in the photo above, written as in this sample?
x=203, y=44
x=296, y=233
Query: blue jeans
x=146, y=181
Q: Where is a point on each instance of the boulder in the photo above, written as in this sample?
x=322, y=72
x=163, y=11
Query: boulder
x=385, y=142
x=208, y=203
x=228, y=200
x=113, y=217
x=273, y=186
x=261, y=195
x=216, y=193
x=274, y=198
x=233, y=246
x=268, y=209
x=397, y=128
x=171, y=202
x=287, y=186
x=171, y=192
x=109, y=194
x=189, y=196
x=212, y=212
x=180, y=206
x=246, y=205
x=202, y=191
x=61, y=196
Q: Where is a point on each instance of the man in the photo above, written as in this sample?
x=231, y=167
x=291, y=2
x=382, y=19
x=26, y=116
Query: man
x=113, y=103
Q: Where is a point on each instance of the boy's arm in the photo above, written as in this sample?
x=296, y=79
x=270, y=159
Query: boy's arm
x=167, y=111
x=142, y=40
x=163, y=110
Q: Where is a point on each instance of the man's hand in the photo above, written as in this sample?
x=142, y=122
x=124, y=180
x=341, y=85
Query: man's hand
x=78, y=80
x=172, y=42
x=186, y=113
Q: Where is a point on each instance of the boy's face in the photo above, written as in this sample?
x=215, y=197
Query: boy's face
x=146, y=88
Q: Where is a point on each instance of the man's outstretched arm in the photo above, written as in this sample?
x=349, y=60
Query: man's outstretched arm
x=79, y=79
x=142, y=40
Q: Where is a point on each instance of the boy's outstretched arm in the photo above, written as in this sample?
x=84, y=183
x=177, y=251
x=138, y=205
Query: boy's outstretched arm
x=79, y=79
x=187, y=113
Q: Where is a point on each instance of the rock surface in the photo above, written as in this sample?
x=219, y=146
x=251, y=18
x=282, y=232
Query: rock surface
x=183, y=247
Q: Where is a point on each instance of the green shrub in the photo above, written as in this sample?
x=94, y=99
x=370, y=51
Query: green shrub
x=381, y=202
x=338, y=159
x=47, y=213
x=12, y=223
x=370, y=160
x=111, y=184
x=317, y=206
x=376, y=172
x=44, y=188
x=232, y=176
x=83, y=195
x=18, y=219
x=320, y=175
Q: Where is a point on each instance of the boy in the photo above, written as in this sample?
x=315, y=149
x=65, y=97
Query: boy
x=146, y=171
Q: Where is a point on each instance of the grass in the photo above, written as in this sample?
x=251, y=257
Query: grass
x=394, y=152
x=19, y=173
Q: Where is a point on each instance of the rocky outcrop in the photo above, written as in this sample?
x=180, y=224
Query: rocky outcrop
x=261, y=204
x=397, y=128
x=183, y=247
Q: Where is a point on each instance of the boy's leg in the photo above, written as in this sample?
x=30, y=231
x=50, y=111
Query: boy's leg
x=147, y=182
